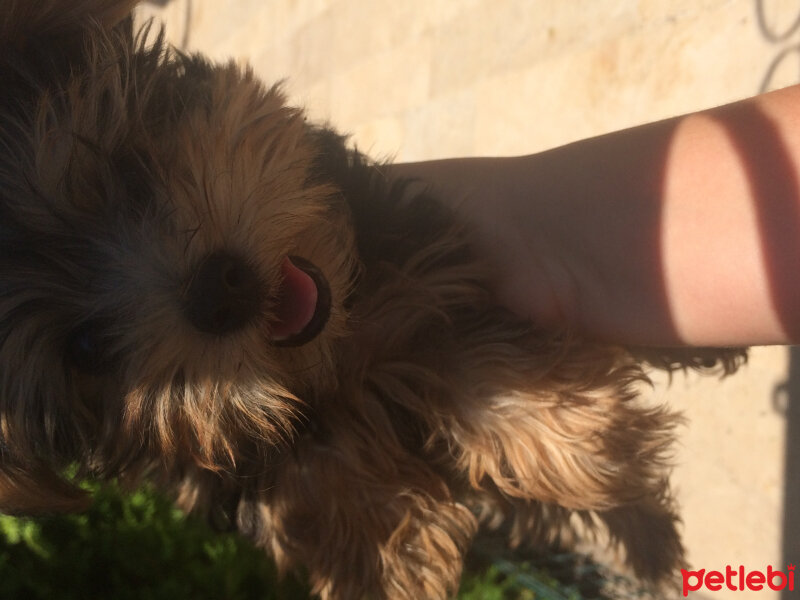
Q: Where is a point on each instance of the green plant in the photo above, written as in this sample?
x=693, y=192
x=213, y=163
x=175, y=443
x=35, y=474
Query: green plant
x=136, y=547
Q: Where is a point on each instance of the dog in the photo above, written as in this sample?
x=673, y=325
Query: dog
x=200, y=289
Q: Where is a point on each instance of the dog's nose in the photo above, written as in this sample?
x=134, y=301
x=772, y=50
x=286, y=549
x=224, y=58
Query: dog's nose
x=224, y=294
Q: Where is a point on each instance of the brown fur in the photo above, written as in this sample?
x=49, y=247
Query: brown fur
x=369, y=455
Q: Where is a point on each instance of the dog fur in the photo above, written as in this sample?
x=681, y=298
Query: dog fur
x=368, y=455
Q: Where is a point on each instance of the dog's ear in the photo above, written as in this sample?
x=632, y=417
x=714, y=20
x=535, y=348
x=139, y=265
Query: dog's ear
x=38, y=489
x=23, y=22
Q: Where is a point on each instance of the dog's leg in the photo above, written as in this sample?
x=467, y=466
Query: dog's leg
x=571, y=430
x=364, y=516
x=647, y=532
x=642, y=535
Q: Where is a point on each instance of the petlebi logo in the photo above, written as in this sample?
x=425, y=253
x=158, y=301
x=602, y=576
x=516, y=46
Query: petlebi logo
x=738, y=579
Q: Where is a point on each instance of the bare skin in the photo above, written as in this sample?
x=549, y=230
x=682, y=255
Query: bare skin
x=681, y=232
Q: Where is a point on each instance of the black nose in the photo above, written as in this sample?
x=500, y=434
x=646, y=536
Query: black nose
x=224, y=294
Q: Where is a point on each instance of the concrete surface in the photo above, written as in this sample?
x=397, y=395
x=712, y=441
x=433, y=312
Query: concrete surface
x=421, y=79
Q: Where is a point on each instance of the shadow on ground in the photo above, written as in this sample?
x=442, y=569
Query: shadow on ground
x=789, y=394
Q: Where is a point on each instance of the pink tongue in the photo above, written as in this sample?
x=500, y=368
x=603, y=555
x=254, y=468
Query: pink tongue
x=297, y=302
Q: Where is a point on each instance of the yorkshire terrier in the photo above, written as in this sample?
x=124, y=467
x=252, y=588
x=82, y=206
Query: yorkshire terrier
x=201, y=289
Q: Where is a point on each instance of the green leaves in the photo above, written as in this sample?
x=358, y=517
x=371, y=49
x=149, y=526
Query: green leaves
x=134, y=547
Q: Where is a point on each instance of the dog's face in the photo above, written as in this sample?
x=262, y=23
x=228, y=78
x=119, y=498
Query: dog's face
x=172, y=269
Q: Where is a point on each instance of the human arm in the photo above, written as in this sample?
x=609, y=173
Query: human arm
x=685, y=231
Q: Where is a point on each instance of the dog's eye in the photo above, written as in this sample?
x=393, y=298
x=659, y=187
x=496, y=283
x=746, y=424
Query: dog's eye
x=86, y=349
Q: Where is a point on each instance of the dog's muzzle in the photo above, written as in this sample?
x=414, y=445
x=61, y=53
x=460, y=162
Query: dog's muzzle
x=225, y=295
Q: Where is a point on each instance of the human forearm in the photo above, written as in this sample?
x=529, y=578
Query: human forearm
x=682, y=231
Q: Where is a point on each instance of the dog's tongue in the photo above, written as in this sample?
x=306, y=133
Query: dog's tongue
x=297, y=302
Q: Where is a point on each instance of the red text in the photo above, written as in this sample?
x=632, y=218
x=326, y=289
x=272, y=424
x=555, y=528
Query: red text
x=738, y=579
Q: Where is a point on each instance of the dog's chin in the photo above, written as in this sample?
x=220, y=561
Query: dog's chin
x=303, y=303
